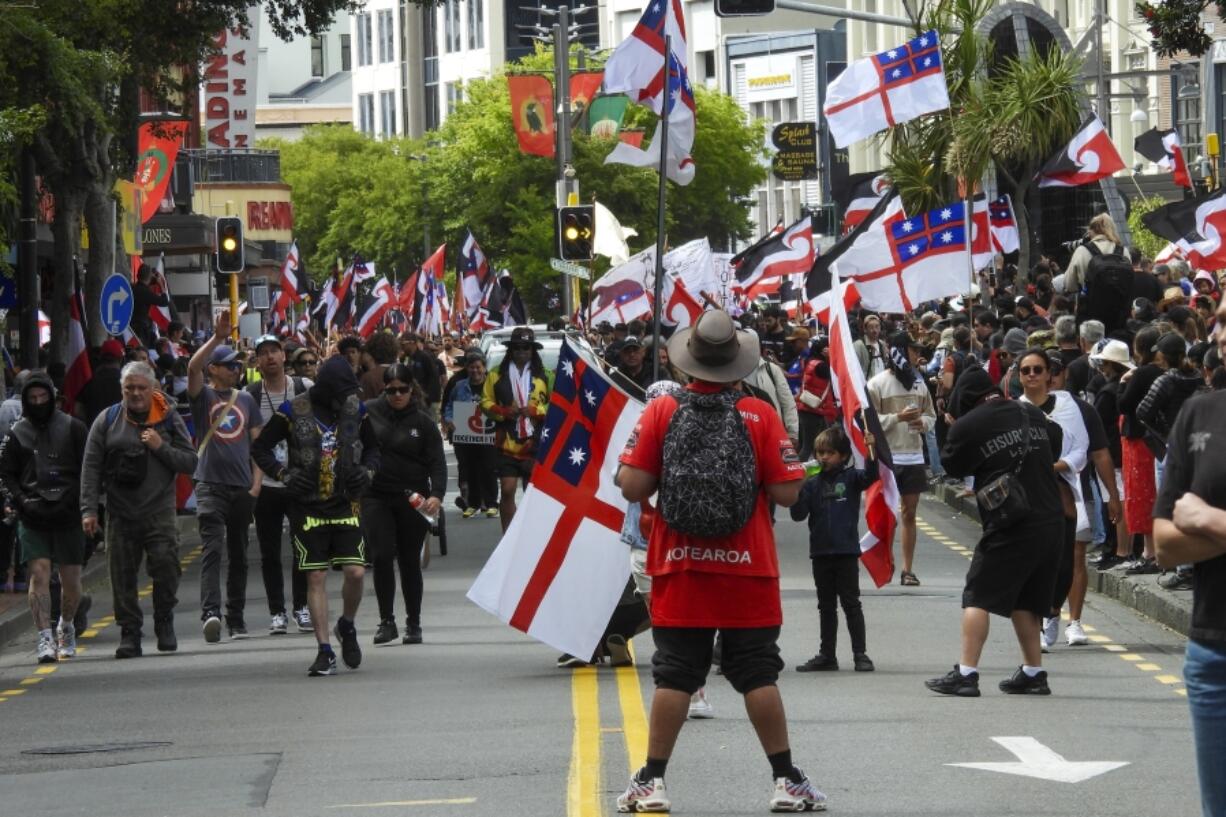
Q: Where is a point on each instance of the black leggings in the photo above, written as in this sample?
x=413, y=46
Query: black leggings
x=1064, y=568
x=394, y=533
x=477, y=466
x=837, y=579
x=271, y=511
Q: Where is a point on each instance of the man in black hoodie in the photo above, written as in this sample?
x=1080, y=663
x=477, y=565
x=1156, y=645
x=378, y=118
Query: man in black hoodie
x=1013, y=571
x=333, y=453
x=40, y=468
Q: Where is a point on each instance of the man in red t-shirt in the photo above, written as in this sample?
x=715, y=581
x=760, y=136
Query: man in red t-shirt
x=730, y=584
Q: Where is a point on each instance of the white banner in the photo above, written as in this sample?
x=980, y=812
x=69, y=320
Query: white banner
x=228, y=92
x=471, y=426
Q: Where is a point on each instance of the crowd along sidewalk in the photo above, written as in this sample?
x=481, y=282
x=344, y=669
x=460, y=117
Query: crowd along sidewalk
x=16, y=621
x=1172, y=608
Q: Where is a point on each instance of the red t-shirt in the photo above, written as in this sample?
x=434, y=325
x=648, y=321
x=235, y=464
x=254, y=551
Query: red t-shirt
x=728, y=582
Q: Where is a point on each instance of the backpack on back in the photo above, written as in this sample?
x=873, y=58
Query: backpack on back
x=708, y=483
x=1109, y=285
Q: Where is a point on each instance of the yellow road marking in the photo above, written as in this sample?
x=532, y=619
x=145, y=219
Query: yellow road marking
x=1114, y=647
x=45, y=670
x=1089, y=629
x=11, y=692
x=1182, y=692
x=31, y=681
x=2, y=700
x=634, y=718
x=1148, y=667
x=454, y=801
x=1132, y=656
x=583, y=790
x=1166, y=679
x=1099, y=639
x=90, y=633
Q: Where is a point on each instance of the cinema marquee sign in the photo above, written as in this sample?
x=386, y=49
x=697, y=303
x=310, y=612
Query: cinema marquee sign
x=228, y=93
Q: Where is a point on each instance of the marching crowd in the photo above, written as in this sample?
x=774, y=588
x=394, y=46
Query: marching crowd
x=1075, y=402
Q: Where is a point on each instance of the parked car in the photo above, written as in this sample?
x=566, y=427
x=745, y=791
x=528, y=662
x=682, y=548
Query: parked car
x=494, y=349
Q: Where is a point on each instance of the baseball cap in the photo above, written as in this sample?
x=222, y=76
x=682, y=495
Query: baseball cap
x=222, y=355
x=267, y=339
x=112, y=349
x=631, y=342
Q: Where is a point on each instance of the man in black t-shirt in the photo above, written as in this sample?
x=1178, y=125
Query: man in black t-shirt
x=1144, y=284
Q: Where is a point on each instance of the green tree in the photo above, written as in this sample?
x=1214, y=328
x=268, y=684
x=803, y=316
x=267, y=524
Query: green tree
x=1145, y=241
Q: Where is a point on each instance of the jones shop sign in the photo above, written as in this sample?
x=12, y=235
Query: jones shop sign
x=796, y=151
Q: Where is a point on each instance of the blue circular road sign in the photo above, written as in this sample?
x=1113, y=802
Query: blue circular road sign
x=116, y=304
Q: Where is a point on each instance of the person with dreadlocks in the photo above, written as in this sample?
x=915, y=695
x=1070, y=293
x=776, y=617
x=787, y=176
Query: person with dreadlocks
x=904, y=406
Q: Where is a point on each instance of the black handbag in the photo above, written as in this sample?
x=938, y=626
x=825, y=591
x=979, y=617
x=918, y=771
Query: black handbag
x=1004, y=498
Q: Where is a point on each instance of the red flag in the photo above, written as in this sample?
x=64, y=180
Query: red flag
x=158, y=143
x=681, y=308
x=79, y=372
x=532, y=113
x=377, y=308
x=289, y=284
x=160, y=315
x=881, y=500
x=1090, y=156
x=584, y=86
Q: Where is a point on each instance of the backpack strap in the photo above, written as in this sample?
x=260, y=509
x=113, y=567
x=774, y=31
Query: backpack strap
x=1093, y=248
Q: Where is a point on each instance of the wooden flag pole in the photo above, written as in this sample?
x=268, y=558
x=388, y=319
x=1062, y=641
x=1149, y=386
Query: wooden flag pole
x=662, y=138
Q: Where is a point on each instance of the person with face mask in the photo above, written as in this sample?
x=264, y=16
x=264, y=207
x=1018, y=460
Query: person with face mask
x=333, y=453
x=40, y=470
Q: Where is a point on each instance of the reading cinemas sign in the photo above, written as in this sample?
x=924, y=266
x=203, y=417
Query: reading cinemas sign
x=795, y=151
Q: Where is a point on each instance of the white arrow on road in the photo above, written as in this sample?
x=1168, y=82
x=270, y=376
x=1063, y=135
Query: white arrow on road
x=120, y=295
x=1036, y=760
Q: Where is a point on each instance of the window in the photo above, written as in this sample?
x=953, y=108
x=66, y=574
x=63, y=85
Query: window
x=387, y=51
x=317, y=56
x=451, y=26
x=366, y=114
x=1187, y=114
x=346, y=55
x=365, y=52
x=430, y=106
x=429, y=52
x=455, y=95
x=476, y=24
x=387, y=113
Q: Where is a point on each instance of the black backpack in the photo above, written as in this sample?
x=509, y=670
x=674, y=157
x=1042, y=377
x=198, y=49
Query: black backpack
x=708, y=483
x=1109, y=284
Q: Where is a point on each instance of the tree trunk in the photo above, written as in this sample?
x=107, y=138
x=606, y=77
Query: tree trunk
x=100, y=218
x=66, y=231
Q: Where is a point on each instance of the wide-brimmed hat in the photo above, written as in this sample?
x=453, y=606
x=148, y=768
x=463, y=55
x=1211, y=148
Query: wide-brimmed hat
x=523, y=334
x=1170, y=297
x=799, y=333
x=713, y=350
x=1115, y=351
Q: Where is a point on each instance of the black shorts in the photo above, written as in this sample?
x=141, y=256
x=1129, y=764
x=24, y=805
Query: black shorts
x=1015, y=570
x=911, y=479
x=323, y=542
x=750, y=657
x=508, y=466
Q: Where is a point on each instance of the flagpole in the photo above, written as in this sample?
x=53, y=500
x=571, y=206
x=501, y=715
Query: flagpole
x=967, y=226
x=662, y=138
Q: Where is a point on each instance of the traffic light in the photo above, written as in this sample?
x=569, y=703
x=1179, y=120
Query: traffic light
x=229, y=240
x=576, y=232
x=743, y=8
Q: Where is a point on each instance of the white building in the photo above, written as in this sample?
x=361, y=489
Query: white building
x=302, y=82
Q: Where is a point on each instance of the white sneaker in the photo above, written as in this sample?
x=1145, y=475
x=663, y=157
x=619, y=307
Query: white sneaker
x=802, y=796
x=1074, y=635
x=279, y=625
x=644, y=797
x=67, y=641
x=1050, y=632
x=46, y=647
x=303, y=618
x=700, y=707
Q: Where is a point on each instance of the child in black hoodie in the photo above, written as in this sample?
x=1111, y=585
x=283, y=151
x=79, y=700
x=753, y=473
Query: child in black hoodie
x=831, y=501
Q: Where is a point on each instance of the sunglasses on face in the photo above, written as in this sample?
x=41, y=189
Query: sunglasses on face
x=520, y=347
x=393, y=391
x=1029, y=370
x=309, y=362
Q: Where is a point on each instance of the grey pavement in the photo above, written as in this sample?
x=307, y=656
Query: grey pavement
x=478, y=721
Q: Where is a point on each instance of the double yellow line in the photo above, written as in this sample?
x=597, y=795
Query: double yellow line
x=585, y=791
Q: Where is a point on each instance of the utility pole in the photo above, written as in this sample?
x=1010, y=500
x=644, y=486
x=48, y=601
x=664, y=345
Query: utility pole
x=1100, y=83
x=566, y=182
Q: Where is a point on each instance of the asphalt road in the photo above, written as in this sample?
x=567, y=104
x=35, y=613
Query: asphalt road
x=478, y=721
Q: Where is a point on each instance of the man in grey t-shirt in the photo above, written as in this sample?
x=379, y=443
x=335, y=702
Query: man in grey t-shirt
x=226, y=419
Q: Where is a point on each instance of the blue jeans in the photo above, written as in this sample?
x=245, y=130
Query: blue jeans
x=934, y=454
x=1095, y=508
x=1204, y=674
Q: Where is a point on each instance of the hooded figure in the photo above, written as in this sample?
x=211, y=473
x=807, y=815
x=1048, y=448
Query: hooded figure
x=334, y=384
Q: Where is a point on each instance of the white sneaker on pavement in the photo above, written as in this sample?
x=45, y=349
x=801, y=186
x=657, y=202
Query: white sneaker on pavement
x=797, y=796
x=46, y=647
x=67, y=641
x=279, y=625
x=1074, y=635
x=303, y=619
x=700, y=707
x=649, y=796
x=1050, y=632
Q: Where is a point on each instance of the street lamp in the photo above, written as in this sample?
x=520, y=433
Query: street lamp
x=1139, y=116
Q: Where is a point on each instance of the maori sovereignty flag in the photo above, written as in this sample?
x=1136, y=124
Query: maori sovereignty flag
x=1195, y=227
x=761, y=267
x=1163, y=149
x=1090, y=156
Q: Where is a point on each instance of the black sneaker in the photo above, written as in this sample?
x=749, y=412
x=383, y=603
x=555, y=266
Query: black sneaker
x=129, y=646
x=1022, y=684
x=955, y=683
x=238, y=631
x=325, y=664
x=347, y=634
x=1177, y=580
x=165, y=631
x=819, y=663
x=1143, y=567
x=863, y=662
x=568, y=661
x=386, y=633
x=412, y=633
x=80, y=621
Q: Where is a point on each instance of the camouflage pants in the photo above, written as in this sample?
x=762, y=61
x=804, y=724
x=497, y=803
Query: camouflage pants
x=129, y=541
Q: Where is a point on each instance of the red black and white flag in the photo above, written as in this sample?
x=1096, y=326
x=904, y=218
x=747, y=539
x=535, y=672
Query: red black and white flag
x=161, y=316
x=378, y=302
x=1005, y=238
x=1163, y=149
x=859, y=196
x=761, y=267
x=290, y=290
x=1090, y=156
x=1195, y=226
x=79, y=371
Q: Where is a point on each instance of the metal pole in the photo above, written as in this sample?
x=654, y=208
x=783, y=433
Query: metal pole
x=561, y=94
x=27, y=262
x=1100, y=83
x=662, y=139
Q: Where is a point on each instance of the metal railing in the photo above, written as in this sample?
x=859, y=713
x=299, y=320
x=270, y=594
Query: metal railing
x=234, y=165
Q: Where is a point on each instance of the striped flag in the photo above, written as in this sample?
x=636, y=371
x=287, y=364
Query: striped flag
x=79, y=371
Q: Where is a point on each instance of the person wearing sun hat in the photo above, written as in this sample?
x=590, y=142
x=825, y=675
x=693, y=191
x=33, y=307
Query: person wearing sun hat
x=701, y=584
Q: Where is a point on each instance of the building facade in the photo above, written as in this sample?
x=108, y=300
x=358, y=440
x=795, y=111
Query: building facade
x=303, y=82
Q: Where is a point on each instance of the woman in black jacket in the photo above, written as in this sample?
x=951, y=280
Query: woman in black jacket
x=411, y=461
x=1169, y=392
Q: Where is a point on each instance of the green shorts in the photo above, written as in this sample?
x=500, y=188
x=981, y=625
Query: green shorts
x=63, y=546
x=323, y=542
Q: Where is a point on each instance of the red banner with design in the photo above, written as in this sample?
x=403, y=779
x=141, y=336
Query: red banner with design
x=159, y=146
x=583, y=89
x=532, y=113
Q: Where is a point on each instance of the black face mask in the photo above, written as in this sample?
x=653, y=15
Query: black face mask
x=39, y=414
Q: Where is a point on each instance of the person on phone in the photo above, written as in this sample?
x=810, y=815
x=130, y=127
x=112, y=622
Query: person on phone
x=411, y=461
x=132, y=454
x=907, y=413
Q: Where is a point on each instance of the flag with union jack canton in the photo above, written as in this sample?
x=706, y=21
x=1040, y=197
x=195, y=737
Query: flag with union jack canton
x=887, y=89
x=561, y=567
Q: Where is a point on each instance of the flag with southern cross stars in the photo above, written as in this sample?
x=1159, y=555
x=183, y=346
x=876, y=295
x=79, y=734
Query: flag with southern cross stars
x=561, y=567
